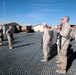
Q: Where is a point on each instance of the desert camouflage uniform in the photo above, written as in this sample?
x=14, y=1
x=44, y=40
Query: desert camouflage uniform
x=46, y=43
x=65, y=33
x=10, y=38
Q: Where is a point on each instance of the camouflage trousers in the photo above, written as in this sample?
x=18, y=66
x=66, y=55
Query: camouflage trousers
x=46, y=50
x=58, y=47
x=63, y=54
x=10, y=41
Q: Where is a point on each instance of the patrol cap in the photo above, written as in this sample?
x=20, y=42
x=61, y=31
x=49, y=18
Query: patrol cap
x=66, y=17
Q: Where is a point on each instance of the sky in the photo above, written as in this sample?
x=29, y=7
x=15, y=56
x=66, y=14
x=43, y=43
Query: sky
x=37, y=11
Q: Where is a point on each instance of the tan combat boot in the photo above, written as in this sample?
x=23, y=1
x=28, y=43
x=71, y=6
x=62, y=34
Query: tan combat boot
x=44, y=60
x=59, y=65
x=63, y=71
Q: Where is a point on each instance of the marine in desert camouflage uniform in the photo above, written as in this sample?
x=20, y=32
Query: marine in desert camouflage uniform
x=10, y=37
x=65, y=33
x=47, y=42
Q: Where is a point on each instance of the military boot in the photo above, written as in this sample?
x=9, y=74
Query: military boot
x=59, y=65
x=44, y=60
x=63, y=71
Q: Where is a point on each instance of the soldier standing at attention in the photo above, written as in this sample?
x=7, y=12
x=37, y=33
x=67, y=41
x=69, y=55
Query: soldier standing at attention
x=46, y=43
x=9, y=34
x=1, y=36
x=65, y=33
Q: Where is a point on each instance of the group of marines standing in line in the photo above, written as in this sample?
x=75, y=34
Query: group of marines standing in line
x=63, y=41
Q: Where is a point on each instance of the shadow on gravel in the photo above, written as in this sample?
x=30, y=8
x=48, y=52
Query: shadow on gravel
x=30, y=34
x=15, y=42
x=71, y=57
x=53, y=51
x=24, y=45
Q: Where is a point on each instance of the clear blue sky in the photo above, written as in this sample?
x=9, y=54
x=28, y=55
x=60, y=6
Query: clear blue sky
x=38, y=11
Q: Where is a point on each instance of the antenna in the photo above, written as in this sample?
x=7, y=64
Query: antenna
x=4, y=11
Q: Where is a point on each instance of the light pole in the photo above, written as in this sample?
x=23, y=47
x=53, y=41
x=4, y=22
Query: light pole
x=4, y=11
x=4, y=19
